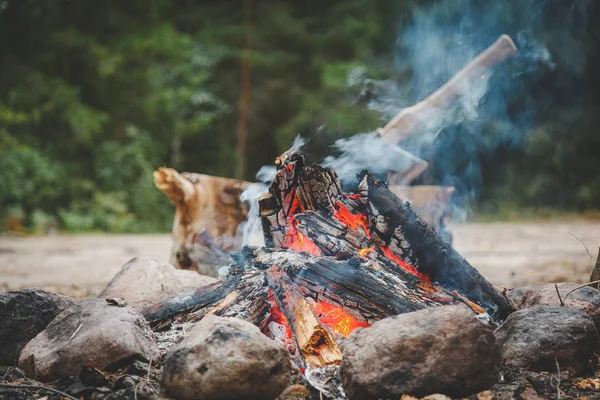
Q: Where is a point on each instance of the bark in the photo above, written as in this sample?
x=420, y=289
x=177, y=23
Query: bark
x=208, y=211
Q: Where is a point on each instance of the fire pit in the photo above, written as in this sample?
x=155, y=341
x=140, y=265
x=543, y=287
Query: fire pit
x=334, y=261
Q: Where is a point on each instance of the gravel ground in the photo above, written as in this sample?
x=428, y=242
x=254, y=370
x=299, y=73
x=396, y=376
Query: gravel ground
x=508, y=254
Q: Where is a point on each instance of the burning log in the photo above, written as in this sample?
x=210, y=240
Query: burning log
x=316, y=343
x=208, y=211
x=385, y=222
x=334, y=261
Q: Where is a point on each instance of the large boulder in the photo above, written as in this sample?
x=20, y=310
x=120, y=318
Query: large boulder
x=226, y=358
x=24, y=314
x=586, y=299
x=91, y=333
x=539, y=337
x=437, y=350
x=145, y=281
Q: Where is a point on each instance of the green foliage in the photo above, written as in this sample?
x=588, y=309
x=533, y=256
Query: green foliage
x=94, y=98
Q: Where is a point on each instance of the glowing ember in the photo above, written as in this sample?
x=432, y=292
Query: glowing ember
x=351, y=220
x=296, y=241
x=337, y=318
x=403, y=264
x=278, y=326
x=301, y=243
x=364, y=252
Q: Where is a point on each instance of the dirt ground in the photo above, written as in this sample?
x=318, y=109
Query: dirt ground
x=508, y=254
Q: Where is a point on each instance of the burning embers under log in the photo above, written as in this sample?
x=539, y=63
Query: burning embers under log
x=334, y=261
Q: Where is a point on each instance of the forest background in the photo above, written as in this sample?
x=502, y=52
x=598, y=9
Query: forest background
x=95, y=96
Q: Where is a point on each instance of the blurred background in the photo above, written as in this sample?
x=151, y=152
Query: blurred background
x=95, y=96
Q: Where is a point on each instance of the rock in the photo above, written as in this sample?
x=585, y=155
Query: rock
x=295, y=392
x=226, y=358
x=586, y=299
x=145, y=281
x=91, y=333
x=535, y=337
x=443, y=350
x=24, y=314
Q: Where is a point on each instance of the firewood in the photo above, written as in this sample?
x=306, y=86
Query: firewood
x=315, y=341
x=334, y=261
x=392, y=226
x=161, y=314
x=208, y=211
x=410, y=119
x=419, y=245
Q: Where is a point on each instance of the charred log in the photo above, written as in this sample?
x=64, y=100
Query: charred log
x=342, y=225
x=418, y=244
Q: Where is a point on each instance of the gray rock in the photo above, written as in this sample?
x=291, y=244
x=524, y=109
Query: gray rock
x=24, y=314
x=586, y=299
x=437, y=350
x=145, y=281
x=226, y=358
x=90, y=333
x=538, y=337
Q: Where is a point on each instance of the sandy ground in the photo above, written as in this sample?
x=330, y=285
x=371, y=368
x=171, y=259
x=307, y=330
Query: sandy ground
x=508, y=254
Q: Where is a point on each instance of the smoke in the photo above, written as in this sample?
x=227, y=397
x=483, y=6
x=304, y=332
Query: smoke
x=493, y=112
x=252, y=229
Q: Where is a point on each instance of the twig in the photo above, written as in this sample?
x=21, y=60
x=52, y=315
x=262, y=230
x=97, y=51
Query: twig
x=580, y=287
x=558, y=385
x=36, y=387
x=586, y=248
x=558, y=293
x=149, y=368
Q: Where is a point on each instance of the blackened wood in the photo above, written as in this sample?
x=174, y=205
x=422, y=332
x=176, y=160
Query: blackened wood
x=428, y=252
x=161, y=313
x=366, y=289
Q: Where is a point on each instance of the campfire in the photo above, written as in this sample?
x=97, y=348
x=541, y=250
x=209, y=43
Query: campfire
x=334, y=261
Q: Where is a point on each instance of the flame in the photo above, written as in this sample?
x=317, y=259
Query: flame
x=353, y=221
x=364, y=252
x=403, y=264
x=296, y=241
x=337, y=318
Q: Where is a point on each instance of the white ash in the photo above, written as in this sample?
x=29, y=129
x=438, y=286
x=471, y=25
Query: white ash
x=167, y=339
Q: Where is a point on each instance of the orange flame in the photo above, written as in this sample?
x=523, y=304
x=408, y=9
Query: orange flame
x=353, y=221
x=301, y=243
x=295, y=240
x=403, y=264
x=364, y=252
x=276, y=315
x=337, y=318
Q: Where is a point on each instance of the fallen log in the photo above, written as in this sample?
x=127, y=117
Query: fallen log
x=410, y=119
x=208, y=212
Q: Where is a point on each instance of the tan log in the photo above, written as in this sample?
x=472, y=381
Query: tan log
x=203, y=204
x=316, y=343
x=412, y=118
